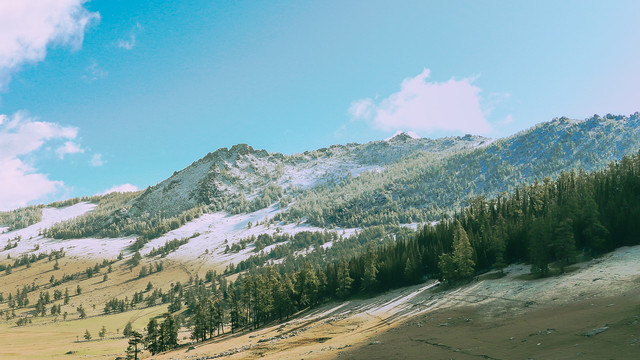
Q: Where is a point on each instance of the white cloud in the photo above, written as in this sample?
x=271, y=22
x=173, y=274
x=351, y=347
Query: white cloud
x=21, y=135
x=120, y=188
x=362, y=109
x=507, y=120
x=420, y=105
x=28, y=27
x=94, y=72
x=127, y=44
x=96, y=160
x=69, y=148
x=130, y=43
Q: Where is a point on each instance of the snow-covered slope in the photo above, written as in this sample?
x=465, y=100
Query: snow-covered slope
x=399, y=180
x=29, y=238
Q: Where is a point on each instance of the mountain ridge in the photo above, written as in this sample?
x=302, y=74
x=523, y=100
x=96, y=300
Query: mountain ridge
x=401, y=180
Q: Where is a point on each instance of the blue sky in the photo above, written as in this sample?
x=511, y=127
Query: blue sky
x=103, y=93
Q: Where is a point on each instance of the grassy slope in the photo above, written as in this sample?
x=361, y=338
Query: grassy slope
x=51, y=337
x=363, y=328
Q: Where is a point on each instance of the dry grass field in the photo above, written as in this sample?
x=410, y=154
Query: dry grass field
x=504, y=318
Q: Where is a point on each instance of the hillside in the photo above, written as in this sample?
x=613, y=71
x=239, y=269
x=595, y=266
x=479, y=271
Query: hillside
x=231, y=196
x=202, y=272
x=492, y=319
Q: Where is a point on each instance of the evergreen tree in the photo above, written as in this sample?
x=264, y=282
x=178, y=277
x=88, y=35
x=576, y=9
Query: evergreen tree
x=81, y=312
x=462, y=253
x=460, y=264
x=127, y=329
x=344, y=280
x=168, y=333
x=199, y=320
x=369, y=277
x=540, y=246
x=135, y=339
x=151, y=341
x=307, y=285
x=564, y=244
x=87, y=335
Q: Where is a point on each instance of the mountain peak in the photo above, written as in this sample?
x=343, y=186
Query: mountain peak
x=402, y=136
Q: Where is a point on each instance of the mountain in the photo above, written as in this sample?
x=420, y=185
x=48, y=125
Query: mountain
x=423, y=187
x=242, y=179
x=395, y=182
x=264, y=247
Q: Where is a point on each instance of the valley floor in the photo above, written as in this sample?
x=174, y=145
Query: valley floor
x=592, y=313
x=506, y=318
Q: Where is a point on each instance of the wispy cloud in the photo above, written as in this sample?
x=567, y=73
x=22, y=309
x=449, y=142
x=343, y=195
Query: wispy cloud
x=426, y=106
x=69, y=147
x=507, y=120
x=96, y=160
x=28, y=27
x=20, y=136
x=130, y=42
x=127, y=44
x=120, y=188
x=94, y=72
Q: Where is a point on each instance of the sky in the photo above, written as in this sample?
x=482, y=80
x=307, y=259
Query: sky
x=115, y=95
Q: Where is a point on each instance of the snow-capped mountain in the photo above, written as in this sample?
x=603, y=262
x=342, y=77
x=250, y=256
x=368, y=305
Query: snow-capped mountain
x=231, y=195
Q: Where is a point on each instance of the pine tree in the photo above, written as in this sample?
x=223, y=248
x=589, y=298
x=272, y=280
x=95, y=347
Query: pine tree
x=540, y=246
x=460, y=264
x=462, y=253
x=369, y=277
x=135, y=339
x=151, y=340
x=199, y=320
x=81, y=312
x=168, y=333
x=127, y=329
x=307, y=285
x=344, y=280
x=498, y=248
x=564, y=243
x=102, y=332
x=87, y=335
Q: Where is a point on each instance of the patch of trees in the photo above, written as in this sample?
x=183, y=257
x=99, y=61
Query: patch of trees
x=28, y=259
x=341, y=247
x=13, y=245
x=23, y=321
x=73, y=201
x=160, y=336
x=271, y=194
x=21, y=218
x=151, y=269
x=113, y=218
x=171, y=246
x=89, y=272
x=154, y=297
